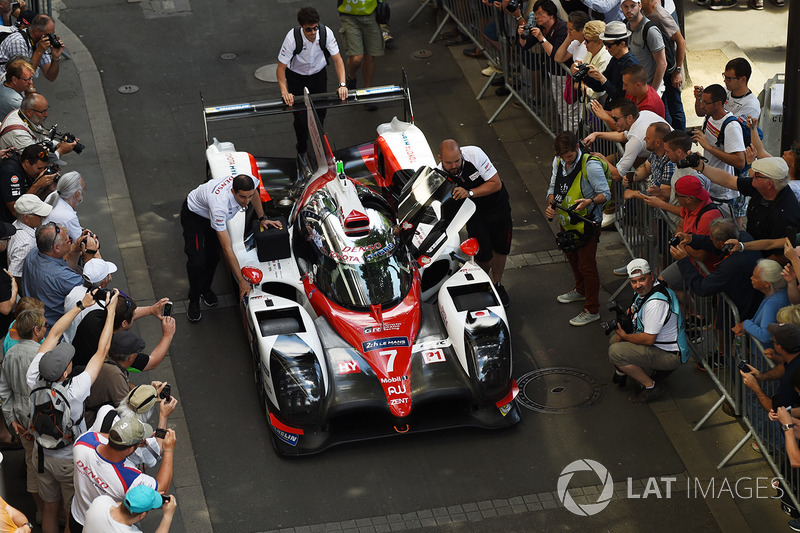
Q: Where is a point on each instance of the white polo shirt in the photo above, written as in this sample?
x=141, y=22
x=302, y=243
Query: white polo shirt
x=214, y=200
x=311, y=58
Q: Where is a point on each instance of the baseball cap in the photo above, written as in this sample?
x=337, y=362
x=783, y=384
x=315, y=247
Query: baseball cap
x=142, y=398
x=691, y=186
x=142, y=498
x=615, y=31
x=774, y=168
x=53, y=159
x=30, y=204
x=125, y=342
x=96, y=270
x=787, y=335
x=638, y=267
x=53, y=363
x=35, y=152
x=129, y=432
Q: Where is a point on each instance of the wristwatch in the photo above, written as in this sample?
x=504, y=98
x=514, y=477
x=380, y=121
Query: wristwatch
x=677, y=69
x=80, y=305
x=342, y=84
x=786, y=427
x=471, y=193
x=262, y=218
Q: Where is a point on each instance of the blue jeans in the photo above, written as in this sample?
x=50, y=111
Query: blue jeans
x=673, y=105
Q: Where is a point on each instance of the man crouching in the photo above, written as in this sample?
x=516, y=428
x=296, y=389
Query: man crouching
x=658, y=341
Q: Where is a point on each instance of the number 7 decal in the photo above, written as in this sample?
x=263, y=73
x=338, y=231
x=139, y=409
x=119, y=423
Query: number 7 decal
x=392, y=354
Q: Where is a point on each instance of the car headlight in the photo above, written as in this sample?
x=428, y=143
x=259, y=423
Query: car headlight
x=490, y=345
x=299, y=385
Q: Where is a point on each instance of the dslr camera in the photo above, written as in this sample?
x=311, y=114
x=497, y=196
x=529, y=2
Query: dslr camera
x=512, y=6
x=54, y=42
x=54, y=137
x=690, y=161
x=622, y=319
x=526, y=29
x=582, y=72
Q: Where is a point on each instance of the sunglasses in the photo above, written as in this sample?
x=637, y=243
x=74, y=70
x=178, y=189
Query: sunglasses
x=312, y=29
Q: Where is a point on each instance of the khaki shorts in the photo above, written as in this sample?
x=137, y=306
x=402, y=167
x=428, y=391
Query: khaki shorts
x=360, y=35
x=56, y=481
x=31, y=464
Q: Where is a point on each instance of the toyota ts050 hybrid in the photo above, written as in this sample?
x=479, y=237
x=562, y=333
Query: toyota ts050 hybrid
x=364, y=319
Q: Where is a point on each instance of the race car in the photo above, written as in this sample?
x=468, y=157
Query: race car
x=366, y=317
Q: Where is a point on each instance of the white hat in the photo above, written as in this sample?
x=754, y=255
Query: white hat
x=30, y=204
x=774, y=168
x=638, y=267
x=96, y=270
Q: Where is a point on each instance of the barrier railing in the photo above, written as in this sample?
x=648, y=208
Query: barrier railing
x=538, y=85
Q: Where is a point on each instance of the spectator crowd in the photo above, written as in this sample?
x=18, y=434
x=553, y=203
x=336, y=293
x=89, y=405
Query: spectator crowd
x=67, y=352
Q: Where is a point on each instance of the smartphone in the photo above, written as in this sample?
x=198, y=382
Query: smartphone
x=167, y=309
x=164, y=499
x=743, y=367
x=14, y=6
x=165, y=392
x=160, y=433
x=791, y=234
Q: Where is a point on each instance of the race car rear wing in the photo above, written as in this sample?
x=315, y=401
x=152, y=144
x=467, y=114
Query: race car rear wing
x=372, y=95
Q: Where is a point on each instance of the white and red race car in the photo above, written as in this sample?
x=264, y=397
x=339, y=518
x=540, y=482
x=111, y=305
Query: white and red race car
x=362, y=319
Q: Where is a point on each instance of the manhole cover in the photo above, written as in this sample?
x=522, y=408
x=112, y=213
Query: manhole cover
x=128, y=89
x=228, y=56
x=557, y=390
x=267, y=73
x=422, y=54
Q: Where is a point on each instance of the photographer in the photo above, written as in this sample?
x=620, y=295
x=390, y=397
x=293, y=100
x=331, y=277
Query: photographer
x=657, y=339
x=39, y=43
x=615, y=39
x=106, y=515
x=578, y=182
x=26, y=127
x=786, y=342
x=96, y=275
x=68, y=195
x=24, y=173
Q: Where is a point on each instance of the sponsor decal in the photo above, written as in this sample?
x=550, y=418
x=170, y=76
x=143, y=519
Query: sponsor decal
x=14, y=179
x=433, y=356
x=398, y=401
x=395, y=379
x=412, y=158
x=378, y=344
x=336, y=256
x=368, y=248
x=221, y=188
x=379, y=253
x=384, y=327
x=479, y=314
x=506, y=408
x=397, y=390
x=348, y=367
x=288, y=438
x=232, y=107
x=407, y=225
x=424, y=260
x=87, y=471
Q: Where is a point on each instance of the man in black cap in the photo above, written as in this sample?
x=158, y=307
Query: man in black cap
x=786, y=338
x=50, y=366
x=113, y=384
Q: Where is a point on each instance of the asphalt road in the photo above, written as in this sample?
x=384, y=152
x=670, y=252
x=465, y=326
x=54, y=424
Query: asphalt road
x=508, y=477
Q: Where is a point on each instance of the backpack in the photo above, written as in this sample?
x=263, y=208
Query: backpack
x=51, y=421
x=746, y=137
x=323, y=41
x=586, y=157
x=669, y=45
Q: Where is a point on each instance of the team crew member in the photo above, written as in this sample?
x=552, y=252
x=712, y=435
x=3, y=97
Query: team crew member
x=579, y=179
x=306, y=67
x=491, y=224
x=203, y=216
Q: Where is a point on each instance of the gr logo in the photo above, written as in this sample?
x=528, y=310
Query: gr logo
x=586, y=509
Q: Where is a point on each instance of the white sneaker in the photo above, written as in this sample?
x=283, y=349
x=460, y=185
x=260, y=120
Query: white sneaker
x=387, y=37
x=585, y=318
x=608, y=219
x=489, y=70
x=571, y=296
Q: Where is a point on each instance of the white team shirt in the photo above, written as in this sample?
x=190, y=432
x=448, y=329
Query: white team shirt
x=733, y=143
x=480, y=160
x=635, y=145
x=214, y=200
x=311, y=58
x=75, y=296
x=95, y=476
x=742, y=106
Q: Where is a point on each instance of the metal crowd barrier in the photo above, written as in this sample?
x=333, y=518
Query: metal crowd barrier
x=645, y=231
